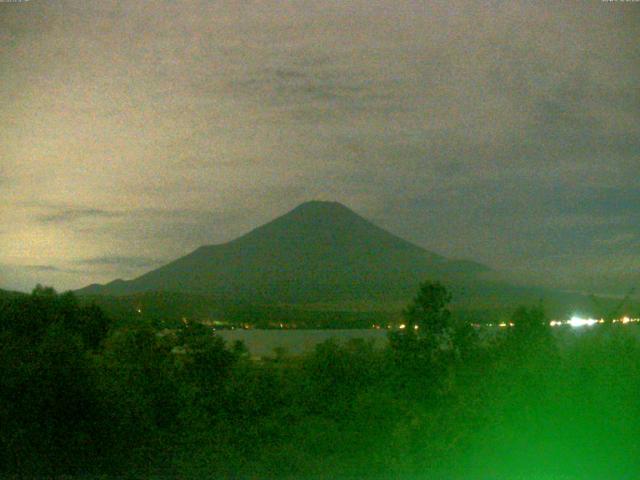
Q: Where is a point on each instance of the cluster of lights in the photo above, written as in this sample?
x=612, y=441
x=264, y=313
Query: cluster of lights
x=582, y=322
x=576, y=321
x=625, y=320
x=403, y=326
x=501, y=325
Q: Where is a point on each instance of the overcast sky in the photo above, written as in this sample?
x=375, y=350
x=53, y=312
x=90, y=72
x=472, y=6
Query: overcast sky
x=131, y=132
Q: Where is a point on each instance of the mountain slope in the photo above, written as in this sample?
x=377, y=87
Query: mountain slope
x=318, y=252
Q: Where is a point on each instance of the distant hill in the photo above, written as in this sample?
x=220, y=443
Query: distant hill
x=320, y=264
x=318, y=252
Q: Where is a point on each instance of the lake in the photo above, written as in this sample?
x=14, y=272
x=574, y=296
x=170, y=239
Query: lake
x=262, y=342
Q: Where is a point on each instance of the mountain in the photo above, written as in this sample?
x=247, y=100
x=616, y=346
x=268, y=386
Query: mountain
x=318, y=252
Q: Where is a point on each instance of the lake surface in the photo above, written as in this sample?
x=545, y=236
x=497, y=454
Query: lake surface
x=263, y=342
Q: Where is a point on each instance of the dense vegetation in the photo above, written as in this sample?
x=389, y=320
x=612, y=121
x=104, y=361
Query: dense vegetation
x=82, y=396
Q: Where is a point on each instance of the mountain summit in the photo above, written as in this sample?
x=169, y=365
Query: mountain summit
x=317, y=252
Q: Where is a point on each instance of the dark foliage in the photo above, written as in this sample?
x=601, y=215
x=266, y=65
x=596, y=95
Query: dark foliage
x=79, y=397
x=429, y=311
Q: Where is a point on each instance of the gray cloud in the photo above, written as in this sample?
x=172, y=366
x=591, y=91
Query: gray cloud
x=620, y=240
x=507, y=133
x=41, y=268
x=74, y=214
x=120, y=261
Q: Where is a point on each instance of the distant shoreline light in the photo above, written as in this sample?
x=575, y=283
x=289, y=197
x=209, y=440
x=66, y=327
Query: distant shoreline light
x=574, y=322
x=577, y=322
x=581, y=322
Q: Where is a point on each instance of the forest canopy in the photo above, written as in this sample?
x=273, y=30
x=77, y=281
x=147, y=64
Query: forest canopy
x=80, y=395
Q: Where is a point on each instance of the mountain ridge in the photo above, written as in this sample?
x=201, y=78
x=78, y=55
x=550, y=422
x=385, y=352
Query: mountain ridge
x=317, y=251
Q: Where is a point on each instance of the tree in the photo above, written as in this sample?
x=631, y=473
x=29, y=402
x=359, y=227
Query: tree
x=51, y=413
x=93, y=325
x=530, y=323
x=423, y=348
x=428, y=311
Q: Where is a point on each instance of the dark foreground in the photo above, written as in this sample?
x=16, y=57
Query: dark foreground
x=80, y=396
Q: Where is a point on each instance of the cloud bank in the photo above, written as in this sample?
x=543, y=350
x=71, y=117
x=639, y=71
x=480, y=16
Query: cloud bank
x=504, y=132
